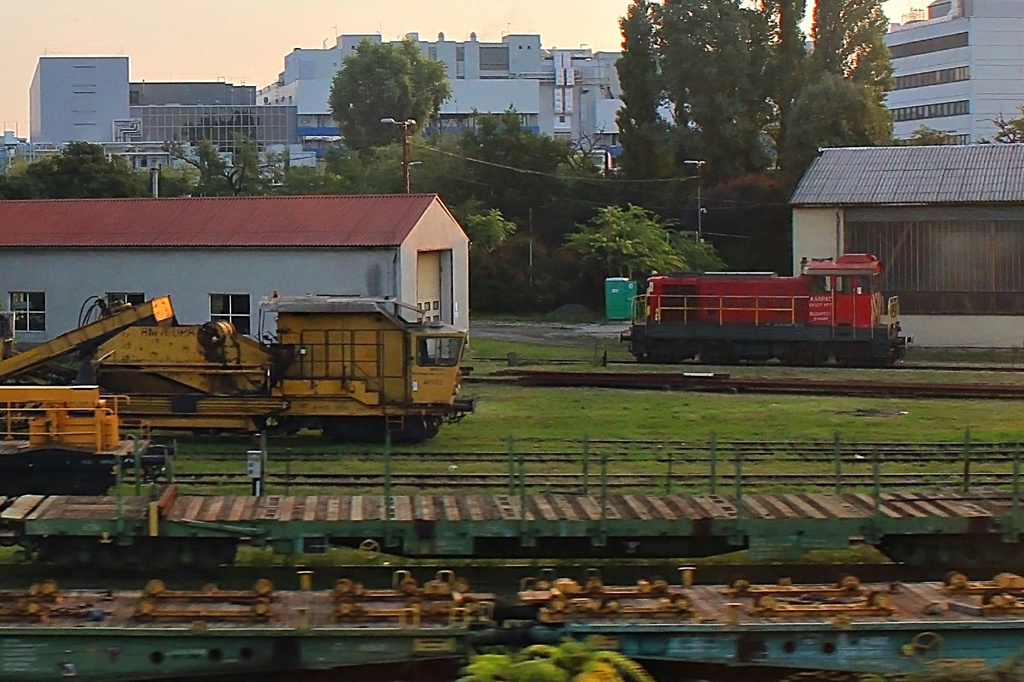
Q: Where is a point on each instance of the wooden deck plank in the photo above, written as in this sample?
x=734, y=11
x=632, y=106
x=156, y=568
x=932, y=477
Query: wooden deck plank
x=664, y=511
x=237, y=508
x=637, y=506
x=451, y=508
x=833, y=506
x=869, y=500
x=803, y=506
x=547, y=511
x=309, y=514
x=212, y=509
x=754, y=504
x=333, y=509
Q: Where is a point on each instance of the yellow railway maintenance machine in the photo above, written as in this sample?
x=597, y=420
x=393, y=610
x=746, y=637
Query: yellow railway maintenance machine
x=354, y=368
x=67, y=441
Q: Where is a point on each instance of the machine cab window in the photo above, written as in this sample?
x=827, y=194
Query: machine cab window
x=438, y=351
x=820, y=284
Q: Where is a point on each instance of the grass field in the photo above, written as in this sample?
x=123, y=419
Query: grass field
x=560, y=419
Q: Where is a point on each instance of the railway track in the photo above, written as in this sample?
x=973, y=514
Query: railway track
x=1000, y=368
x=573, y=483
x=724, y=383
x=616, y=451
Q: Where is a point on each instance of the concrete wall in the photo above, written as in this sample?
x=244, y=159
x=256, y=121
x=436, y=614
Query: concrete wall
x=964, y=331
x=817, y=233
x=68, y=277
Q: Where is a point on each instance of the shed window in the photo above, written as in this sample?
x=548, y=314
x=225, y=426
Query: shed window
x=233, y=308
x=29, y=309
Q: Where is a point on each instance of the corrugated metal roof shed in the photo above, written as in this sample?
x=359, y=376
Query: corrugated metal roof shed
x=965, y=174
x=300, y=221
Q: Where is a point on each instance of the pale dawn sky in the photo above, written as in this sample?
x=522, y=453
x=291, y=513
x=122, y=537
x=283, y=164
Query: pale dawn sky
x=245, y=41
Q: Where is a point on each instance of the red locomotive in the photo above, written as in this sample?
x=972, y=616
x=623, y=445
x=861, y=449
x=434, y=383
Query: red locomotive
x=833, y=309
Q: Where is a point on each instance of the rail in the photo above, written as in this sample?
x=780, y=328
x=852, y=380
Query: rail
x=710, y=467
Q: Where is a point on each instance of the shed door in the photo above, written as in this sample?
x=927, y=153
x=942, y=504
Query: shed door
x=428, y=284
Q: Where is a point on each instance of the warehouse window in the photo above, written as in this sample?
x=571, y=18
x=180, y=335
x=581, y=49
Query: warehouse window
x=29, y=311
x=233, y=308
x=121, y=297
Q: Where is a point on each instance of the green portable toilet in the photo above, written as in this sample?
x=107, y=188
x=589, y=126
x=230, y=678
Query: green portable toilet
x=618, y=298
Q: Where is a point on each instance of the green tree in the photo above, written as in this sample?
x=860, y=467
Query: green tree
x=626, y=243
x=217, y=175
x=382, y=80
x=714, y=55
x=1009, y=131
x=568, y=662
x=489, y=230
x=833, y=112
x=925, y=136
x=506, y=166
x=81, y=171
x=643, y=133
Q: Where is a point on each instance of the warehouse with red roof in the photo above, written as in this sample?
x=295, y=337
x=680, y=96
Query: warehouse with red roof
x=218, y=256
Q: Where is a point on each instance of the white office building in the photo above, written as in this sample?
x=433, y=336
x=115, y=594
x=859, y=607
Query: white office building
x=567, y=93
x=958, y=67
x=77, y=98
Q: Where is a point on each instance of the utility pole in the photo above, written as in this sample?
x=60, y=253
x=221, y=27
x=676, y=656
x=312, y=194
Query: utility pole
x=699, y=163
x=404, y=125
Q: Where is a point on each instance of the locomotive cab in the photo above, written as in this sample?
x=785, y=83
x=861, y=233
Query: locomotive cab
x=845, y=293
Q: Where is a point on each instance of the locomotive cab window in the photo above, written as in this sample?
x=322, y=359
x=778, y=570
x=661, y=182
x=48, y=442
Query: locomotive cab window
x=844, y=285
x=438, y=351
x=820, y=284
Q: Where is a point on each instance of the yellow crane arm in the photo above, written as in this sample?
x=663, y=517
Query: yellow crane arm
x=155, y=312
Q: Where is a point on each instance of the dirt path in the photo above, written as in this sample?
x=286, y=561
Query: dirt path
x=550, y=333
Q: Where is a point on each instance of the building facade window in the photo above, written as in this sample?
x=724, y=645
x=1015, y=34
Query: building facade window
x=948, y=42
x=940, y=110
x=920, y=80
x=29, y=309
x=233, y=308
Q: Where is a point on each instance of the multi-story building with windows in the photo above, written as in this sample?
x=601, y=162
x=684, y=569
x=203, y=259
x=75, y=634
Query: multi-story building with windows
x=958, y=68
x=90, y=99
x=567, y=93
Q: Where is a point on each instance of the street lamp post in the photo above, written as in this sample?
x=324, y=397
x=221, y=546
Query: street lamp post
x=700, y=211
x=404, y=125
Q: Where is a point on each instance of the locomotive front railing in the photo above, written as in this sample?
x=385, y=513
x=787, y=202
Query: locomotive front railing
x=722, y=304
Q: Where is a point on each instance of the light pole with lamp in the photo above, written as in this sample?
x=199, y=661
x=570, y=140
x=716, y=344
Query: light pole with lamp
x=404, y=125
x=700, y=211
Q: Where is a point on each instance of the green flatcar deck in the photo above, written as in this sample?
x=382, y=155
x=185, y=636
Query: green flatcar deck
x=938, y=529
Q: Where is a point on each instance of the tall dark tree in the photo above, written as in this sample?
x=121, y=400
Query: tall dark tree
x=849, y=41
x=643, y=132
x=789, y=58
x=381, y=80
x=714, y=57
x=833, y=112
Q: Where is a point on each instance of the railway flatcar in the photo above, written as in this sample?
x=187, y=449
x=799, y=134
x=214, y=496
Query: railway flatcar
x=833, y=310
